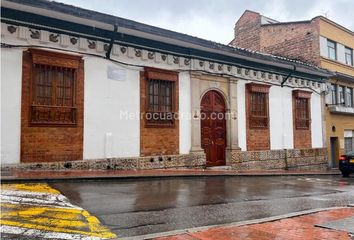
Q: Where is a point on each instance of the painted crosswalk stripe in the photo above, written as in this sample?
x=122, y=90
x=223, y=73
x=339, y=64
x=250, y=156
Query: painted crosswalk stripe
x=44, y=234
x=38, y=210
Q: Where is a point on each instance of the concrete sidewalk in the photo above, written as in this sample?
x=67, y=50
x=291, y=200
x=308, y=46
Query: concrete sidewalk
x=304, y=227
x=17, y=175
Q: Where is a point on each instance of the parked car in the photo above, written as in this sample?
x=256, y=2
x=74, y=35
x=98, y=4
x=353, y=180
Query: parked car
x=346, y=164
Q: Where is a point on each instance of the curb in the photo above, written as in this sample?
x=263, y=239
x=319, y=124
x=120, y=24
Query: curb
x=235, y=224
x=165, y=175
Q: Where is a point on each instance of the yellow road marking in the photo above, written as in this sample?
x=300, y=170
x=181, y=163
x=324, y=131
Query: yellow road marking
x=54, y=219
x=30, y=187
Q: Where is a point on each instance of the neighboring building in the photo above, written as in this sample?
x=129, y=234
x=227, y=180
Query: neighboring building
x=81, y=85
x=318, y=41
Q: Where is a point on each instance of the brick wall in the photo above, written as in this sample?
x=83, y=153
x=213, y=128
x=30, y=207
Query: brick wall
x=247, y=31
x=155, y=140
x=297, y=41
x=257, y=138
x=49, y=144
x=292, y=40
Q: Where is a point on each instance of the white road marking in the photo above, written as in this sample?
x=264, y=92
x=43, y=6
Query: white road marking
x=25, y=197
x=44, y=234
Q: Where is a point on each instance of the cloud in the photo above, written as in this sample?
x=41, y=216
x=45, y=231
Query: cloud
x=214, y=20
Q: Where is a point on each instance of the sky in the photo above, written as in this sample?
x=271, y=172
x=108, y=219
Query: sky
x=215, y=19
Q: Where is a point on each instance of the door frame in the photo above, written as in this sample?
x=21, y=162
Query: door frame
x=201, y=83
x=334, y=151
x=213, y=91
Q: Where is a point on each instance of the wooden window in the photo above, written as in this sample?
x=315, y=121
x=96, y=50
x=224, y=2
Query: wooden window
x=53, y=89
x=302, y=109
x=161, y=97
x=258, y=114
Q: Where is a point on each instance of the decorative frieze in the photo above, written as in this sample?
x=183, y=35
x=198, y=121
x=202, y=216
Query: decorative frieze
x=91, y=44
x=131, y=52
x=100, y=46
x=44, y=36
x=118, y=51
x=144, y=55
x=73, y=40
x=22, y=33
x=34, y=34
x=11, y=29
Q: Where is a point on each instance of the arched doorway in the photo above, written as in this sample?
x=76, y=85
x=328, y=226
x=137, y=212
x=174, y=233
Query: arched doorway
x=213, y=128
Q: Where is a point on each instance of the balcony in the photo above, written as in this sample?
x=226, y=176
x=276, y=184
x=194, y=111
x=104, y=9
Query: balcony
x=339, y=109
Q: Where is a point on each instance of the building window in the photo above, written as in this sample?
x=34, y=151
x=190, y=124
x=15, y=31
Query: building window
x=348, y=144
x=302, y=109
x=302, y=113
x=341, y=95
x=332, y=50
x=258, y=114
x=161, y=97
x=349, y=56
x=349, y=95
x=53, y=89
x=334, y=93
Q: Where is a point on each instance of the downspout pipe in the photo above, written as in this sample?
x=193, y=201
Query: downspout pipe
x=288, y=76
x=109, y=50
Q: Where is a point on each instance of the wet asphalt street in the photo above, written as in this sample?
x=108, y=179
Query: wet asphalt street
x=144, y=206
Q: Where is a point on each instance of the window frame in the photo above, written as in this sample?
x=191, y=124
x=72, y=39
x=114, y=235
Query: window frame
x=334, y=93
x=254, y=89
x=330, y=47
x=348, y=54
x=341, y=95
x=167, y=118
x=299, y=95
x=351, y=142
x=57, y=61
x=349, y=100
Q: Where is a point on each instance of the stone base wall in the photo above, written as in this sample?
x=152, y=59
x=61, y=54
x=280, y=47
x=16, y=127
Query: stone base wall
x=300, y=159
x=193, y=160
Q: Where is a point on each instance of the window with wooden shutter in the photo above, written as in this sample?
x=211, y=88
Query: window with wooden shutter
x=161, y=97
x=258, y=114
x=53, y=89
x=302, y=109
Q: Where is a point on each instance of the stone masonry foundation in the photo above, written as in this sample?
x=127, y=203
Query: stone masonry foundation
x=193, y=160
x=301, y=159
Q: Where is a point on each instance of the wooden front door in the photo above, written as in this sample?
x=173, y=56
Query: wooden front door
x=213, y=128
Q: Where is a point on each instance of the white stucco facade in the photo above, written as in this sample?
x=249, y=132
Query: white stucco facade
x=185, y=120
x=112, y=107
x=241, y=114
x=112, y=102
x=281, y=118
x=316, y=121
x=111, y=111
x=11, y=82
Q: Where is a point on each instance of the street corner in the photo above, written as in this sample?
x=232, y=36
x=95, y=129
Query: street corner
x=38, y=211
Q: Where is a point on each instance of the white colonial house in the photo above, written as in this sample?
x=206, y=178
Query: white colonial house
x=81, y=89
